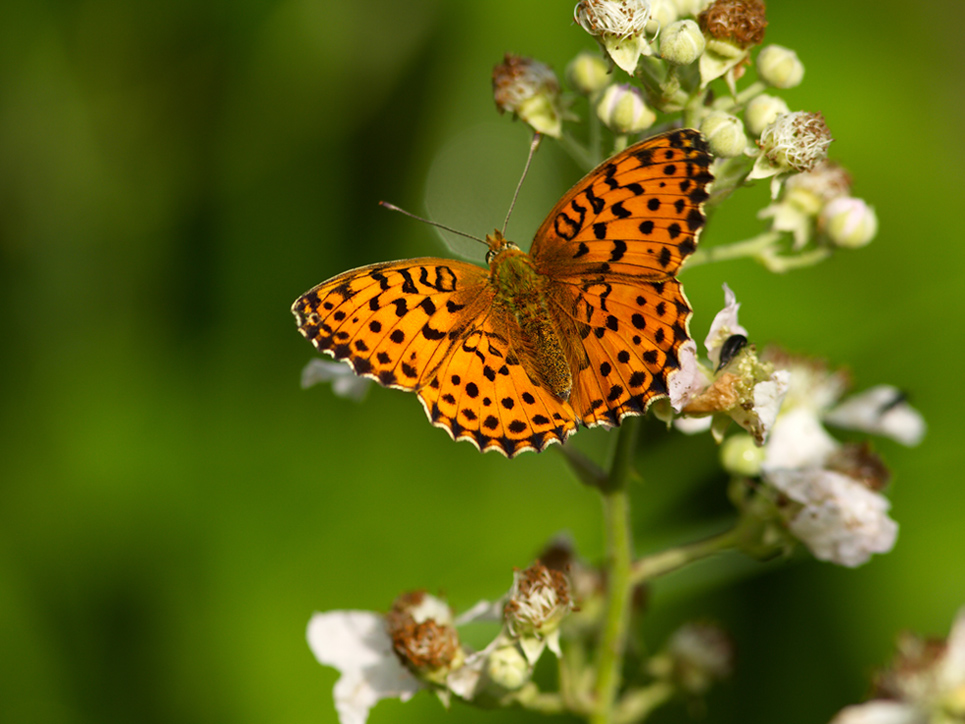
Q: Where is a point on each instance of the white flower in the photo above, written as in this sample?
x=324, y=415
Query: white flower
x=741, y=387
x=839, y=519
x=538, y=602
x=804, y=197
x=880, y=711
x=925, y=684
x=619, y=27
x=358, y=645
x=880, y=410
x=345, y=383
x=794, y=142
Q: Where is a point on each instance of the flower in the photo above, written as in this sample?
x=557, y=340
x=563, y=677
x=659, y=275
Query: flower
x=345, y=383
x=793, y=142
x=696, y=655
x=358, y=645
x=835, y=516
x=741, y=387
x=619, y=26
x=538, y=602
x=924, y=684
x=804, y=197
x=423, y=636
x=731, y=27
x=880, y=410
x=529, y=89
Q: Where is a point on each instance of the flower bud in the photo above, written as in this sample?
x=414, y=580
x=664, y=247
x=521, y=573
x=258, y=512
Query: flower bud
x=587, y=73
x=690, y=7
x=761, y=112
x=779, y=67
x=740, y=455
x=508, y=668
x=682, y=43
x=662, y=14
x=849, y=222
x=530, y=90
x=623, y=110
x=724, y=134
x=619, y=27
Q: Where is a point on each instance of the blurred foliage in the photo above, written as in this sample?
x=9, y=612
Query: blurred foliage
x=173, y=174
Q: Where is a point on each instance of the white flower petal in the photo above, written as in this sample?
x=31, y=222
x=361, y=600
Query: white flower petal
x=952, y=668
x=693, y=425
x=688, y=378
x=880, y=711
x=725, y=325
x=841, y=521
x=345, y=383
x=880, y=410
x=358, y=645
x=798, y=440
x=483, y=611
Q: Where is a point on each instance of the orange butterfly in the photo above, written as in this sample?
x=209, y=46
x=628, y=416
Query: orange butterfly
x=586, y=328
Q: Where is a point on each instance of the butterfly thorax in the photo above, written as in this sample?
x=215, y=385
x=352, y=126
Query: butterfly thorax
x=520, y=294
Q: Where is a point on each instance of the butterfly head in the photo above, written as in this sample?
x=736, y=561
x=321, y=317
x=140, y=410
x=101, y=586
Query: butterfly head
x=497, y=244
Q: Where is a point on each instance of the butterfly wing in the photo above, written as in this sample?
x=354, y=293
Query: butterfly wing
x=429, y=326
x=483, y=394
x=612, y=246
x=395, y=322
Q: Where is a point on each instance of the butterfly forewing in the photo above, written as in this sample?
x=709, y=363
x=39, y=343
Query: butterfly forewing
x=637, y=214
x=394, y=322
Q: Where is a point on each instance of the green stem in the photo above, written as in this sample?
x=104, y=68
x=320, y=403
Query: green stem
x=616, y=513
x=658, y=564
x=753, y=247
x=637, y=705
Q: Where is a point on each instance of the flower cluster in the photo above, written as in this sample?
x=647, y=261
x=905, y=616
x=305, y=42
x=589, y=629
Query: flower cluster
x=794, y=485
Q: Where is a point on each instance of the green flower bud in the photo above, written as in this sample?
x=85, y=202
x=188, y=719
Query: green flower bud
x=762, y=112
x=588, y=73
x=849, y=222
x=682, y=43
x=779, y=67
x=724, y=134
x=662, y=14
x=508, y=668
x=740, y=455
x=623, y=110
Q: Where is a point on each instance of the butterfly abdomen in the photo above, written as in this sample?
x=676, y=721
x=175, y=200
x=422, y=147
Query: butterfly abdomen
x=521, y=295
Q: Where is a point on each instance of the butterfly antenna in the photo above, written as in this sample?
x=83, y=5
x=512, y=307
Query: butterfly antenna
x=393, y=207
x=537, y=137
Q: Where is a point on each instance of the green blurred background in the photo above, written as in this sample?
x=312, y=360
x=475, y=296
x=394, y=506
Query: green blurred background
x=174, y=507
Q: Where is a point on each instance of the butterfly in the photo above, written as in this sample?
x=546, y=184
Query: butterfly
x=584, y=329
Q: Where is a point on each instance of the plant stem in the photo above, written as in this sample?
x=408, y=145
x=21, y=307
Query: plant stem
x=658, y=564
x=753, y=247
x=616, y=514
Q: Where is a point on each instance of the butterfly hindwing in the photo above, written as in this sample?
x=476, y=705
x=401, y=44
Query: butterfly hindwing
x=482, y=394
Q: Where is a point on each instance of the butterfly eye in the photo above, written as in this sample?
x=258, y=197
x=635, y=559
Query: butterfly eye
x=730, y=349
x=490, y=255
